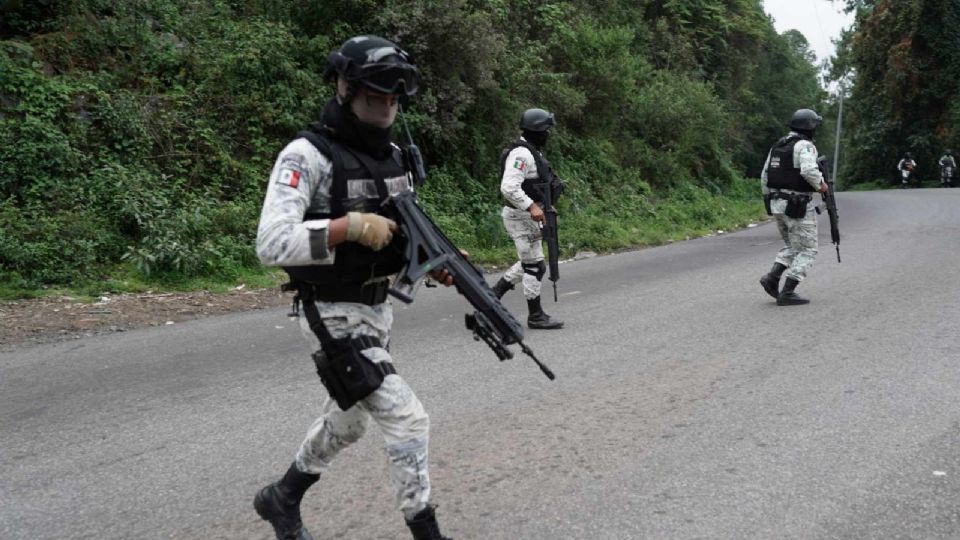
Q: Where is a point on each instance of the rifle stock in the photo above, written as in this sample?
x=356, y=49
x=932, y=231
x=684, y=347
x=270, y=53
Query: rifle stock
x=427, y=250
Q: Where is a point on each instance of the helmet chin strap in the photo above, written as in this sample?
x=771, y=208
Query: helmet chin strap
x=348, y=89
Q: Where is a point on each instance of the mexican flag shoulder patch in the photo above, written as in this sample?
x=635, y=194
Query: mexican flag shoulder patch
x=519, y=164
x=289, y=177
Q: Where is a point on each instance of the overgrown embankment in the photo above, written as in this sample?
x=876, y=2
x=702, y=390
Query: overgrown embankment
x=903, y=59
x=136, y=136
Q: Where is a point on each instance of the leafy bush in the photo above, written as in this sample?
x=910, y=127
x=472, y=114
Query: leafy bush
x=137, y=136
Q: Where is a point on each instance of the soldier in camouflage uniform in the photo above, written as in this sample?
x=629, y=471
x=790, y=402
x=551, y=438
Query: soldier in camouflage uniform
x=790, y=176
x=320, y=222
x=948, y=167
x=906, y=167
x=523, y=167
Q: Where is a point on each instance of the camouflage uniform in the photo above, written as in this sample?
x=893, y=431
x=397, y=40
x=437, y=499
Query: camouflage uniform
x=906, y=166
x=948, y=167
x=299, y=184
x=523, y=230
x=799, y=235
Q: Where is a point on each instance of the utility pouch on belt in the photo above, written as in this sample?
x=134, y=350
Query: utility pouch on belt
x=766, y=203
x=796, y=205
x=347, y=374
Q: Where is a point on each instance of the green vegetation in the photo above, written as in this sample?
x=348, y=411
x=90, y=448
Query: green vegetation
x=136, y=136
x=905, y=55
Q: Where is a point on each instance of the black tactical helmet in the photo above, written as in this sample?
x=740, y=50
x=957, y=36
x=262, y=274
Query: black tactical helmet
x=376, y=63
x=805, y=120
x=908, y=155
x=536, y=120
x=949, y=152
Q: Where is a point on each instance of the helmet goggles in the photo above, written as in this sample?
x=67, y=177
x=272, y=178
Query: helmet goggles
x=388, y=78
x=387, y=70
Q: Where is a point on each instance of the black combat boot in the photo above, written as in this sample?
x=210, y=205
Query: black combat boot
x=424, y=526
x=788, y=297
x=501, y=287
x=279, y=503
x=771, y=281
x=538, y=320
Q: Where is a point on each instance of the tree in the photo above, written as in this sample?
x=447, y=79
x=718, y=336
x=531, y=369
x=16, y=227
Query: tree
x=906, y=58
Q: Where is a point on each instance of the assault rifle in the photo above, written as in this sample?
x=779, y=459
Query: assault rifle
x=549, y=229
x=830, y=199
x=428, y=249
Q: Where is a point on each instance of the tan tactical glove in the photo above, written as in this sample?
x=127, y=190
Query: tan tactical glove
x=371, y=230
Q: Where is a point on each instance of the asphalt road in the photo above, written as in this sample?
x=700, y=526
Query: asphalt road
x=687, y=405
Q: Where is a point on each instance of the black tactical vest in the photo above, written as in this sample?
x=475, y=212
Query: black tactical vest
x=360, y=184
x=782, y=173
x=544, y=172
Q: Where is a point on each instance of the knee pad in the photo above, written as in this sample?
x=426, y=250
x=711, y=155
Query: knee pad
x=354, y=432
x=537, y=269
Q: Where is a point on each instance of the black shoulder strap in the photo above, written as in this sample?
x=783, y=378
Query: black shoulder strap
x=543, y=167
x=790, y=139
x=318, y=135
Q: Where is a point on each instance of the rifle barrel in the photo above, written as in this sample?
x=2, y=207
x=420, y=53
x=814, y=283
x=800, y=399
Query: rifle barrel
x=546, y=371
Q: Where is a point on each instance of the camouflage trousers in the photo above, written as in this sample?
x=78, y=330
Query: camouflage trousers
x=527, y=237
x=799, y=238
x=394, y=407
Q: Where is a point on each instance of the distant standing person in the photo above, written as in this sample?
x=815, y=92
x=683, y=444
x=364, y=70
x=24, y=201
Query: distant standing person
x=906, y=167
x=948, y=168
x=790, y=177
x=523, y=167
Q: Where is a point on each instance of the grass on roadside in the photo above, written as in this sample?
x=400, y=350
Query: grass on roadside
x=687, y=213
x=128, y=280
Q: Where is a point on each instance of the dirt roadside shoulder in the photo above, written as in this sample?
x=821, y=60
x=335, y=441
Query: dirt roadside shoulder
x=24, y=323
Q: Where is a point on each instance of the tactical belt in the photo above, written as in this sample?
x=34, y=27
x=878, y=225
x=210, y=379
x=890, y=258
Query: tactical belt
x=780, y=194
x=370, y=294
x=796, y=203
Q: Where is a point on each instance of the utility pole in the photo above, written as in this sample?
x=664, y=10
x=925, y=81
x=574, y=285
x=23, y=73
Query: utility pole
x=836, y=148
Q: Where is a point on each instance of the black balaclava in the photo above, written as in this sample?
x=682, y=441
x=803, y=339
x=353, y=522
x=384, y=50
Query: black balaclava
x=537, y=138
x=348, y=129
